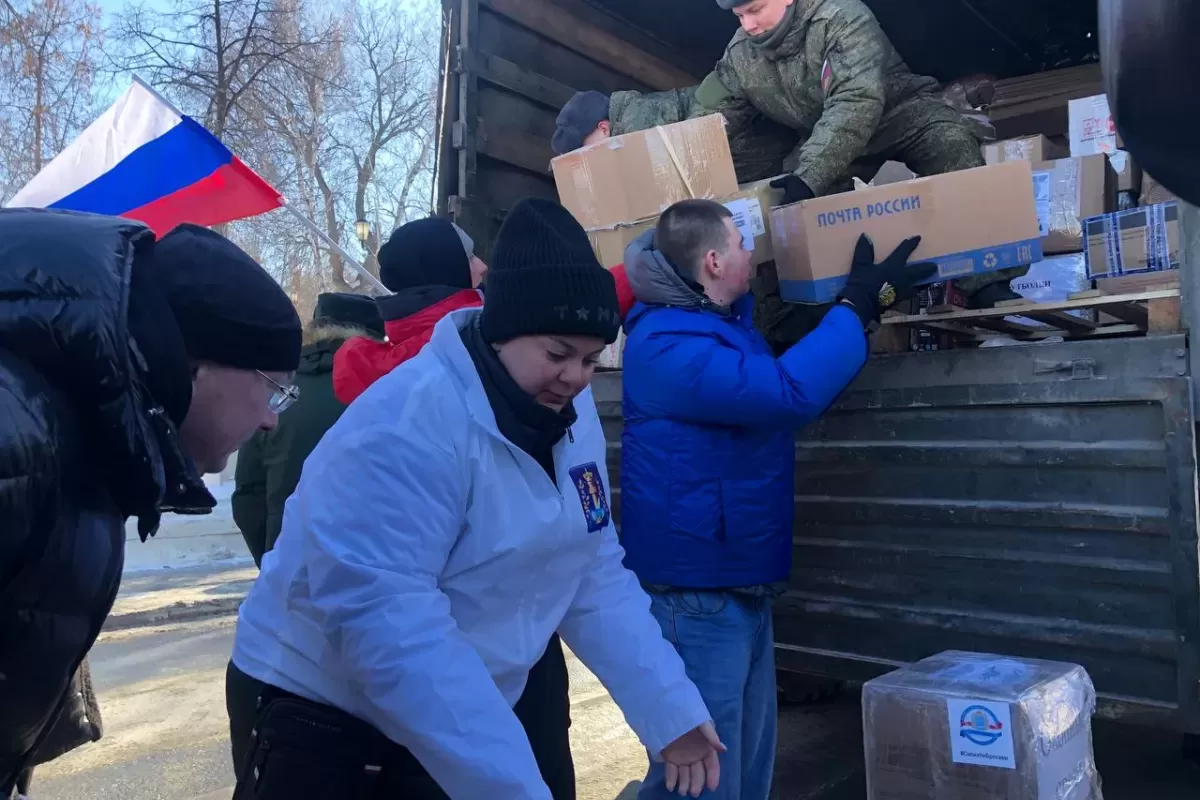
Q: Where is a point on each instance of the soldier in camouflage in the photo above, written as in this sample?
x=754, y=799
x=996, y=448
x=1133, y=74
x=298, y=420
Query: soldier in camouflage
x=591, y=117
x=826, y=70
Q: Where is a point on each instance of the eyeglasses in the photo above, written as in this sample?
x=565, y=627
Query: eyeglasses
x=282, y=397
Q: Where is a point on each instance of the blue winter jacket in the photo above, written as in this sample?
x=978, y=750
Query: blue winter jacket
x=708, y=455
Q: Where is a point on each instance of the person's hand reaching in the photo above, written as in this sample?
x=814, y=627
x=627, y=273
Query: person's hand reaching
x=794, y=189
x=874, y=288
x=692, y=761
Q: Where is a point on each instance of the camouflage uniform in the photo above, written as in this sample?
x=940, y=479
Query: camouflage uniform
x=764, y=142
x=830, y=74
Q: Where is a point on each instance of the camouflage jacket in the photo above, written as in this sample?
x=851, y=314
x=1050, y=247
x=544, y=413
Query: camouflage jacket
x=763, y=144
x=827, y=72
x=634, y=111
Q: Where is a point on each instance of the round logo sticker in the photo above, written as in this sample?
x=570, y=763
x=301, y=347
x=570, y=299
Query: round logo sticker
x=980, y=726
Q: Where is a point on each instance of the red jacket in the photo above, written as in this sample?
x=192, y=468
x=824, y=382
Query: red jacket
x=362, y=361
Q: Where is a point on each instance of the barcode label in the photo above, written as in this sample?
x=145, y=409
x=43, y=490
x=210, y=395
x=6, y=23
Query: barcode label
x=952, y=269
x=747, y=217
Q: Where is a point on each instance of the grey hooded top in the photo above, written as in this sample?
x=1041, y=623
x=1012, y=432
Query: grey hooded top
x=655, y=281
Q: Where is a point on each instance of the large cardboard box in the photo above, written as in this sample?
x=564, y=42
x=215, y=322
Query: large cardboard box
x=751, y=206
x=636, y=176
x=1068, y=191
x=1133, y=242
x=1093, y=129
x=1026, y=148
x=974, y=221
x=969, y=726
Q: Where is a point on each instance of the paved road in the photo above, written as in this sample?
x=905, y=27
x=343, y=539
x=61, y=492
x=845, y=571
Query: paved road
x=162, y=697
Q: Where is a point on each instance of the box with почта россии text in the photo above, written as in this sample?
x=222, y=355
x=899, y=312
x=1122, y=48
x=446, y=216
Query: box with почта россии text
x=970, y=222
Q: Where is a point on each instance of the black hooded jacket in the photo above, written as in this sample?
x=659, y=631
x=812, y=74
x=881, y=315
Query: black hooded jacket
x=83, y=447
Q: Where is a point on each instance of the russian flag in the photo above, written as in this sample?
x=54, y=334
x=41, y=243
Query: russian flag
x=144, y=160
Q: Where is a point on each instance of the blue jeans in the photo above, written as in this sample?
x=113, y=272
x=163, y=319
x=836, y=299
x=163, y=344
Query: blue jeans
x=727, y=645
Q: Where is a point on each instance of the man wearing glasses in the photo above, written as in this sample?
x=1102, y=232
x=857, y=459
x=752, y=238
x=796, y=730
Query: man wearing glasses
x=128, y=369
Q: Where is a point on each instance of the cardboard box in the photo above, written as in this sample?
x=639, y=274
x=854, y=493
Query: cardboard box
x=1026, y=148
x=973, y=221
x=751, y=206
x=1068, y=191
x=636, y=176
x=1133, y=242
x=1092, y=129
x=1153, y=193
x=969, y=726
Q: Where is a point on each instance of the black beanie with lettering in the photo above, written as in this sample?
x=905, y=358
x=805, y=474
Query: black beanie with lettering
x=545, y=280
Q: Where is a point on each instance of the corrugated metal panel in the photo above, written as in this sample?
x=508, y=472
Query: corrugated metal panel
x=1050, y=517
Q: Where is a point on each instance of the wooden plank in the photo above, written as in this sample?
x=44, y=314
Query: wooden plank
x=1163, y=315
x=552, y=22
x=507, y=75
x=513, y=147
x=1063, y=321
x=973, y=316
x=1139, y=283
x=468, y=103
x=1130, y=313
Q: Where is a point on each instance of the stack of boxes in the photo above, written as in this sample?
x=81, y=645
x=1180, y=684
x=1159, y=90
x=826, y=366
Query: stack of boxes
x=1141, y=238
x=1073, y=209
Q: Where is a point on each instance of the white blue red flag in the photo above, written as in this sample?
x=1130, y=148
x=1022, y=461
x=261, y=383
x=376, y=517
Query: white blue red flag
x=144, y=160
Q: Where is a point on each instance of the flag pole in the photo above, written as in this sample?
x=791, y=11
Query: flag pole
x=328, y=240
x=303, y=220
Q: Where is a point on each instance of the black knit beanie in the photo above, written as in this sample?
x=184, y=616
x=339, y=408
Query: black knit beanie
x=427, y=252
x=545, y=279
x=229, y=310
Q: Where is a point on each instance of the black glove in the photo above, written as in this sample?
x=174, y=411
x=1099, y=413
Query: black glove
x=794, y=189
x=874, y=288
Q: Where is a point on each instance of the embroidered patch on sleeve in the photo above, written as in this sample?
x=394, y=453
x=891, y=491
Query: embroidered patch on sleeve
x=590, y=487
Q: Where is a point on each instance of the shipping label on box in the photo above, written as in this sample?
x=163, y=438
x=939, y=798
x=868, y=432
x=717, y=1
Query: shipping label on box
x=636, y=176
x=1026, y=148
x=1137, y=241
x=981, y=732
x=1067, y=192
x=1093, y=129
x=973, y=221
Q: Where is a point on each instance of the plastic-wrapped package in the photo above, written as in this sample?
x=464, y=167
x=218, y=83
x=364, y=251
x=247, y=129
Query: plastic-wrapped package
x=970, y=726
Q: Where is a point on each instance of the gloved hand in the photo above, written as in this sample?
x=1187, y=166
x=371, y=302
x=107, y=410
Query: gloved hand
x=874, y=288
x=794, y=189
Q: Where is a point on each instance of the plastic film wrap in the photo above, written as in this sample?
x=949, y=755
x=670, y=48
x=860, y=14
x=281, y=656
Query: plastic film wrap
x=970, y=726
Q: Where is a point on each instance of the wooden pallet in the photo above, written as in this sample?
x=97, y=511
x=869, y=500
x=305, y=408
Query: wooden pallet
x=1132, y=313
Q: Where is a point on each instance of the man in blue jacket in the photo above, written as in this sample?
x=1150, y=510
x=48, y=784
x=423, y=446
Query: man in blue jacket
x=708, y=458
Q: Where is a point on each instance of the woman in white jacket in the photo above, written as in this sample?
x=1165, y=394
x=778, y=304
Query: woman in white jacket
x=446, y=527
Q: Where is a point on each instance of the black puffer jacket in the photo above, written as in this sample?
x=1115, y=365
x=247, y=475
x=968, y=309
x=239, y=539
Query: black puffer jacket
x=83, y=446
